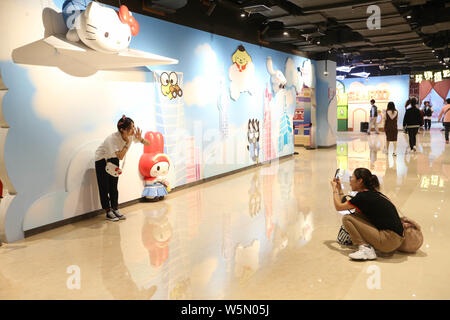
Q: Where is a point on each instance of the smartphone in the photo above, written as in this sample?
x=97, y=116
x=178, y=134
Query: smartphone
x=336, y=175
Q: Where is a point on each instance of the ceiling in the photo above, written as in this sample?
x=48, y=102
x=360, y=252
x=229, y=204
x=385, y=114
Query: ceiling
x=413, y=35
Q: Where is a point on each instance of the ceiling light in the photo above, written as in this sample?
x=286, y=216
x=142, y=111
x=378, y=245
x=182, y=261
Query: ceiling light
x=243, y=15
x=318, y=42
x=408, y=17
x=360, y=74
x=286, y=33
x=344, y=69
x=432, y=50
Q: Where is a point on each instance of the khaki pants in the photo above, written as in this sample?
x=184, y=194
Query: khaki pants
x=373, y=124
x=361, y=231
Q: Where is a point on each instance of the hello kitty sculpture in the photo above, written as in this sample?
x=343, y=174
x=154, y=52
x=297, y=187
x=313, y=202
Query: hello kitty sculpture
x=98, y=27
x=154, y=167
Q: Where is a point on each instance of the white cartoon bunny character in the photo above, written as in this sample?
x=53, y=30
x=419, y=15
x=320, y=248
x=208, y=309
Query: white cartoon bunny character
x=277, y=77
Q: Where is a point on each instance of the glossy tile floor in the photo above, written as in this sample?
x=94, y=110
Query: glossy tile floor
x=264, y=233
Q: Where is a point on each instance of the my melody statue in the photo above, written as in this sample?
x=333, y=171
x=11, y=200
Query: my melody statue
x=98, y=27
x=154, y=167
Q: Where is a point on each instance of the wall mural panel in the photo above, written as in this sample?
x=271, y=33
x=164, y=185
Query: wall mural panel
x=197, y=90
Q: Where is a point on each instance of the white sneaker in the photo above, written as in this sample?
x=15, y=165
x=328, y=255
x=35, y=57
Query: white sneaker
x=414, y=149
x=364, y=253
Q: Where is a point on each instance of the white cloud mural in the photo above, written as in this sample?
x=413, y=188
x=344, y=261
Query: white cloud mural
x=204, y=88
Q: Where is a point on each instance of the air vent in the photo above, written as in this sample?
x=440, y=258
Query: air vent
x=256, y=9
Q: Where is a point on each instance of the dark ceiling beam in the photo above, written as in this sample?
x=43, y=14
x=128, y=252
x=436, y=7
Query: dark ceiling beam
x=382, y=26
x=411, y=33
x=399, y=42
x=289, y=7
x=364, y=19
x=340, y=5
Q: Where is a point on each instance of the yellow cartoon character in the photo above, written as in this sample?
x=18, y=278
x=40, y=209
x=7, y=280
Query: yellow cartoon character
x=241, y=58
x=169, y=85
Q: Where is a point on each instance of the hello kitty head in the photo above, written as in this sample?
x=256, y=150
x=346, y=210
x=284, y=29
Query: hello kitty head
x=104, y=29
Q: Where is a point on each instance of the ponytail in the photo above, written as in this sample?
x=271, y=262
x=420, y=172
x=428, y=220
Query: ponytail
x=370, y=181
x=124, y=123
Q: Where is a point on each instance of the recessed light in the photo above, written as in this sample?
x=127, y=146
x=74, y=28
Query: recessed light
x=242, y=15
x=286, y=33
x=408, y=17
x=318, y=42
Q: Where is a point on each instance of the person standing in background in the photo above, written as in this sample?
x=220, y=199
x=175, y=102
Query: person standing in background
x=427, y=113
x=373, y=117
x=390, y=127
x=445, y=114
x=412, y=122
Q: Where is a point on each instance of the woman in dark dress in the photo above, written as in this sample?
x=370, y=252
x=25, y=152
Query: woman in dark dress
x=390, y=127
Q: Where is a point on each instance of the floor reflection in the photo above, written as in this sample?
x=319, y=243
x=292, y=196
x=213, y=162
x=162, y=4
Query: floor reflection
x=264, y=233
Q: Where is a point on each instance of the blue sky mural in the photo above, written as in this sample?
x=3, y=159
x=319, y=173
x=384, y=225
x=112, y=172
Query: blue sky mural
x=57, y=120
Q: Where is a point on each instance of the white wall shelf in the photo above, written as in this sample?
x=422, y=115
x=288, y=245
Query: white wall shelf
x=77, y=59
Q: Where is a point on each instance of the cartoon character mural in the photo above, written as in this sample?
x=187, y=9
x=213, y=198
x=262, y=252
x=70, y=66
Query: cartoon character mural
x=307, y=73
x=241, y=73
x=98, y=27
x=170, y=122
x=241, y=58
x=169, y=85
x=276, y=76
x=253, y=139
x=154, y=167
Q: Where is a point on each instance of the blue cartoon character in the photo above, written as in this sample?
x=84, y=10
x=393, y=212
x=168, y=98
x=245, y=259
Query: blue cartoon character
x=253, y=139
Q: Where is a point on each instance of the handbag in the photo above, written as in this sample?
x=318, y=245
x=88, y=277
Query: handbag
x=343, y=237
x=413, y=236
x=411, y=232
x=112, y=169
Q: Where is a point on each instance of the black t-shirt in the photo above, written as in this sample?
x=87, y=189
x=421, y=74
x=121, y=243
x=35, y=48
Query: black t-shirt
x=378, y=210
